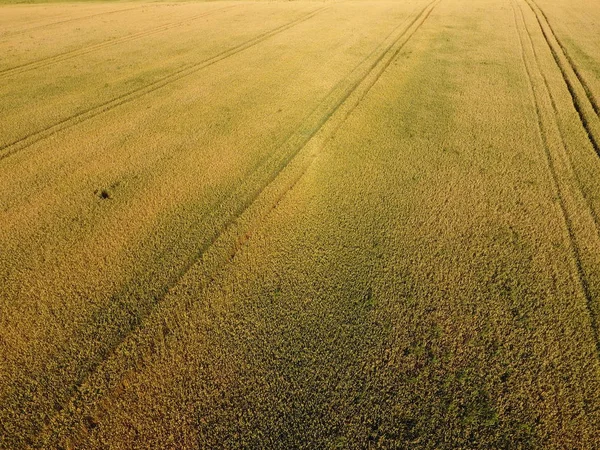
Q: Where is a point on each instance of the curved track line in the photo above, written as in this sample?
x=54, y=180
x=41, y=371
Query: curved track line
x=338, y=104
x=11, y=148
x=580, y=77
x=559, y=193
x=39, y=27
x=54, y=59
x=590, y=122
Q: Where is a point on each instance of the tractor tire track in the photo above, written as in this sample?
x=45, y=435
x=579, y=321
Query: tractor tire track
x=74, y=19
x=588, y=117
x=314, y=131
x=572, y=63
x=567, y=198
x=555, y=109
x=16, y=146
x=331, y=121
x=65, y=56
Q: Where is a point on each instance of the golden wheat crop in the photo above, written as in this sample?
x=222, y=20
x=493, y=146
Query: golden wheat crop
x=354, y=224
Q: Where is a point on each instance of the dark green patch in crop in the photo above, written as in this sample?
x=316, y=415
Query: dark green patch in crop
x=103, y=194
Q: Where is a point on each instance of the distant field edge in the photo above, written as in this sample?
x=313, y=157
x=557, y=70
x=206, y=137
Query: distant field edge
x=116, y=2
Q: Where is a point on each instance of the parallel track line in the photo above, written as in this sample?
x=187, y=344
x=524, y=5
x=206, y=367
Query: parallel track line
x=74, y=19
x=184, y=71
x=559, y=192
x=589, y=119
x=352, y=92
x=571, y=62
x=65, y=56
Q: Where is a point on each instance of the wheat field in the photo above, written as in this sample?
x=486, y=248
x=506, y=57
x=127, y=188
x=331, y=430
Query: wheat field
x=300, y=224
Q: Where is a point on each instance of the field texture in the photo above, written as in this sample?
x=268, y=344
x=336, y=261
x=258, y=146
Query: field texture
x=355, y=224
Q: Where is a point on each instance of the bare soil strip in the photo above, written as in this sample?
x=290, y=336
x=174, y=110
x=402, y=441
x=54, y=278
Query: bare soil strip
x=184, y=71
x=54, y=59
x=581, y=229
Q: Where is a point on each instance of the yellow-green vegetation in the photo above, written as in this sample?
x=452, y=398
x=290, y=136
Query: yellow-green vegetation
x=354, y=224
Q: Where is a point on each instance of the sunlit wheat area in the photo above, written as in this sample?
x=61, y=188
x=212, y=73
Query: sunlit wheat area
x=338, y=224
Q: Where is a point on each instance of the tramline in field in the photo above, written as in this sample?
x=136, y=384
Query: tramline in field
x=353, y=224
